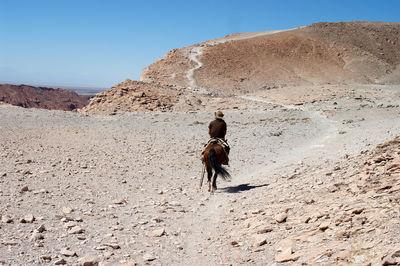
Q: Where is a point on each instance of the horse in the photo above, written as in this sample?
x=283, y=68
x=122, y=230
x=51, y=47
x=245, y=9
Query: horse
x=214, y=156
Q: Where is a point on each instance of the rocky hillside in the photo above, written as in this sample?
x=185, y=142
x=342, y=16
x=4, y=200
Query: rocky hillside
x=321, y=53
x=41, y=97
x=131, y=96
x=344, y=213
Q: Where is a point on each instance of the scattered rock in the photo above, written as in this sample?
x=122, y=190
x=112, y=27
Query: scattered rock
x=234, y=243
x=260, y=241
x=108, y=254
x=41, y=228
x=27, y=172
x=24, y=189
x=60, y=262
x=88, y=261
x=158, y=232
x=359, y=259
x=310, y=201
x=66, y=218
x=70, y=224
x=29, y=218
x=67, y=210
x=120, y=202
x=343, y=255
x=76, y=230
x=357, y=211
x=324, y=226
x=149, y=257
x=175, y=204
x=265, y=230
x=286, y=256
x=46, y=257
x=281, y=218
x=112, y=245
x=7, y=219
x=393, y=259
x=36, y=236
x=68, y=253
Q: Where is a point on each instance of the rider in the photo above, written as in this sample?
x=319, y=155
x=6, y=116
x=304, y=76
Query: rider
x=217, y=130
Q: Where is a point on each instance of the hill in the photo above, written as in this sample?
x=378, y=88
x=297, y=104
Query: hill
x=133, y=96
x=41, y=97
x=322, y=53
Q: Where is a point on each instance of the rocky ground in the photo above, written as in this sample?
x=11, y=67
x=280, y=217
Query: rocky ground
x=315, y=181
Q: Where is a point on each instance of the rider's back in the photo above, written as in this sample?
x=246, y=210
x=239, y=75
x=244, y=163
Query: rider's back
x=217, y=128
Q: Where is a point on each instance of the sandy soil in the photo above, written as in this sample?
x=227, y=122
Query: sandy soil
x=123, y=189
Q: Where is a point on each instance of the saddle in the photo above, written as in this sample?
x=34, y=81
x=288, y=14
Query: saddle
x=222, y=142
x=219, y=141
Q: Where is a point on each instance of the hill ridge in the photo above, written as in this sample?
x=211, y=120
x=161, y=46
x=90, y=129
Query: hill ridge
x=357, y=52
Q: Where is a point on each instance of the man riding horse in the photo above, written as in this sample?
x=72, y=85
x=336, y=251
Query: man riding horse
x=216, y=153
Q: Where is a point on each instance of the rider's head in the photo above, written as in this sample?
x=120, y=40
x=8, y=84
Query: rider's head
x=219, y=114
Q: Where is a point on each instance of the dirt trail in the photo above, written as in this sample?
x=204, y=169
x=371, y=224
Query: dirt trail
x=193, y=54
x=205, y=224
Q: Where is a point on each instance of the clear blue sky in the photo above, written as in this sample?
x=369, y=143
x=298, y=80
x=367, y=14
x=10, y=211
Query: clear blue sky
x=100, y=43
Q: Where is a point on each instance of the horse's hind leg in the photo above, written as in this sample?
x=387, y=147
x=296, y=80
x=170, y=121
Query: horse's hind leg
x=209, y=174
x=214, y=183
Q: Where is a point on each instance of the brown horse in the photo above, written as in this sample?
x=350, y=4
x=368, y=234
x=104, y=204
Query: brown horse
x=214, y=156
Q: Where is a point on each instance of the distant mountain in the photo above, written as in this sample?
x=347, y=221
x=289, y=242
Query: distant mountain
x=41, y=97
x=358, y=52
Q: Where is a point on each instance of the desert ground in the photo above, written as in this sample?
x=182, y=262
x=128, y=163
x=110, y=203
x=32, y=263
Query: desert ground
x=315, y=180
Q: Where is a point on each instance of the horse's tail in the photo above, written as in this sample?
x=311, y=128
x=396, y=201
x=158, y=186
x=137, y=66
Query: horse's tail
x=220, y=170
